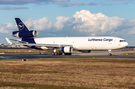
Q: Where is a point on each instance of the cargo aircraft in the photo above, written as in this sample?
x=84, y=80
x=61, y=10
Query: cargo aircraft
x=65, y=45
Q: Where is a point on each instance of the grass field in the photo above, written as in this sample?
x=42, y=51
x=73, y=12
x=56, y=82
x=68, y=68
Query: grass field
x=75, y=73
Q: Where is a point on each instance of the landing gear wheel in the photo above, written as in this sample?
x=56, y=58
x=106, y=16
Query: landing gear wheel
x=60, y=53
x=110, y=54
x=56, y=53
x=68, y=53
x=53, y=53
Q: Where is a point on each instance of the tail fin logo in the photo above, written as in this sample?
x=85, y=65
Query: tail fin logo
x=21, y=26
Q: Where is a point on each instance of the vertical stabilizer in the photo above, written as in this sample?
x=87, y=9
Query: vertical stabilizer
x=21, y=26
x=24, y=33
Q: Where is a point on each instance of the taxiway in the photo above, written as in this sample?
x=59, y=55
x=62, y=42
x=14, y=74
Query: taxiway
x=75, y=55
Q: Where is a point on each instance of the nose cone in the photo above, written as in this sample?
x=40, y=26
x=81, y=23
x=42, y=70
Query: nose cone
x=123, y=44
x=126, y=44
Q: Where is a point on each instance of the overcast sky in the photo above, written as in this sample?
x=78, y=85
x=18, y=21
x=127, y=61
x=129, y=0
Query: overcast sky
x=60, y=18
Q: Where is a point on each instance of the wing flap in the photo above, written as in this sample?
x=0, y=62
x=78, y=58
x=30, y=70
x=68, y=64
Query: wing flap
x=41, y=45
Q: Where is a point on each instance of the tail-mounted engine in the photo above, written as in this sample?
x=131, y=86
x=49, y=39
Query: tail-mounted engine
x=24, y=34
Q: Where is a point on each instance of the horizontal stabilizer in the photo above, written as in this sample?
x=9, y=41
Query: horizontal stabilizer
x=18, y=41
x=8, y=41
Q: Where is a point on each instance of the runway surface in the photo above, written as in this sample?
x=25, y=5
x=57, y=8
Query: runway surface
x=75, y=55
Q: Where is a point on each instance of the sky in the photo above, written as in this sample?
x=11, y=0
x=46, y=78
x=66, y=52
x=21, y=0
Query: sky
x=61, y=18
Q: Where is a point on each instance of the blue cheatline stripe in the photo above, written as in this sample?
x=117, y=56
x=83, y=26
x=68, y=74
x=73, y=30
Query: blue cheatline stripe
x=62, y=49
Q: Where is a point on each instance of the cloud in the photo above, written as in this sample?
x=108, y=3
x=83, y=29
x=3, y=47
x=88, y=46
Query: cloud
x=132, y=31
x=81, y=23
x=77, y=3
x=40, y=24
x=5, y=28
x=100, y=3
x=63, y=3
x=118, y=0
x=92, y=3
x=128, y=2
x=124, y=2
x=23, y=2
x=13, y=8
x=15, y=2
x=68, y=4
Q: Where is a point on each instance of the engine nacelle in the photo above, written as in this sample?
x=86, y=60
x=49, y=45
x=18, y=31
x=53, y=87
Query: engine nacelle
x=21, y=34
x=85, y=51
x=66, y=49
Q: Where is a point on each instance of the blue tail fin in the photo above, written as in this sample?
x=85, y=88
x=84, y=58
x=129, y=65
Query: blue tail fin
x=24, y=33
x=21, y=26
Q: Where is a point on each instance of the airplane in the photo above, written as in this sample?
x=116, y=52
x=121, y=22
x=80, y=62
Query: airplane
x=65, y=45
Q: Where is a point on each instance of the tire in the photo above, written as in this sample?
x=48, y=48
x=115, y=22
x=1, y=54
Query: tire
x=53, y=54
x=110, y=54
x=68, y=53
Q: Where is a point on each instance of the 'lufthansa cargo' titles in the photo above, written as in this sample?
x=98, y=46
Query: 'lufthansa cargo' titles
x=104, y=39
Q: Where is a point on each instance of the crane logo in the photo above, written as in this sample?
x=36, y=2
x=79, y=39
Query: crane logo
x=21, y=26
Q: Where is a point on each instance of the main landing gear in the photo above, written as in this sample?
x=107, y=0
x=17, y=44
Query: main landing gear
x=67, y=53
x=109, y=51
x=57, y=52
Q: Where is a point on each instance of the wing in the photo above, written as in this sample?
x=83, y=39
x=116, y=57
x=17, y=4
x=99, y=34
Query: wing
x=41, y=46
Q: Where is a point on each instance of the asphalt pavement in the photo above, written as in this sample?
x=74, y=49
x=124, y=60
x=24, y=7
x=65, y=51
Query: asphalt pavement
x=74, y=55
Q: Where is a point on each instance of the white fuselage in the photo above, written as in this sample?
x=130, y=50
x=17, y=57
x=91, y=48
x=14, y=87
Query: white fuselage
x=85, y=43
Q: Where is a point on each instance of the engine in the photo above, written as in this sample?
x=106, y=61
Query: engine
x=85, y=51
x=20, y=34
x=66, y=49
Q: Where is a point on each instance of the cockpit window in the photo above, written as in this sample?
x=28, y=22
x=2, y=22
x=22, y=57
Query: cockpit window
x=122, y=40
